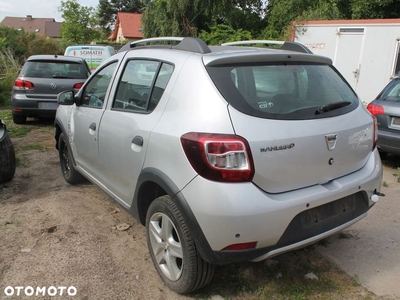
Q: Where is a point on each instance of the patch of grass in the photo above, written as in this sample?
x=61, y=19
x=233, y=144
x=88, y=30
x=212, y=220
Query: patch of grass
x=5, y=115
x=356, y=280
x=397, y=174
x=33, y=147
x=18, y=131
x=47, y=128
x=25, y=175
x=15, y=130
x=384, y=184
x=284, y=278
x=9, y=224
x=21, y=160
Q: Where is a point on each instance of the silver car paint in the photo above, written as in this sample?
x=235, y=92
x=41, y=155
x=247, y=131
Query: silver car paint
x=277, y=171
x=255, y=215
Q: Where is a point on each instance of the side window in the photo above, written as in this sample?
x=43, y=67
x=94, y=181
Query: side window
x=160, y=85
x=96, y=89
x=141, y=86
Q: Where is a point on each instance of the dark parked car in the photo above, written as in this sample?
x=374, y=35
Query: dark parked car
x=386, y=109
x=7, y=155
x=41, y=79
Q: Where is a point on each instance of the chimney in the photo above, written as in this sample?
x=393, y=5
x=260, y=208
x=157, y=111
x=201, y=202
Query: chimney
x=29, y=17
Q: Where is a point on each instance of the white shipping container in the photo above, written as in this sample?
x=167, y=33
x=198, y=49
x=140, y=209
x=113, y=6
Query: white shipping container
x=366, y=52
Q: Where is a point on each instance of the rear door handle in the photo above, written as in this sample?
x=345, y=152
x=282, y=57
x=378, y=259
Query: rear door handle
x=137, y=140
x=92, y=126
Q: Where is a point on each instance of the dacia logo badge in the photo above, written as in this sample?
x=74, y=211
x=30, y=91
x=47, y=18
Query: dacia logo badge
x=331, y=140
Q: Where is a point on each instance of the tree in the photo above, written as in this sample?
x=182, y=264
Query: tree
x=375, y=9
x=223, y=33
x=247, y=18
x=281, y=13
x=188, y=18
x=79, y=22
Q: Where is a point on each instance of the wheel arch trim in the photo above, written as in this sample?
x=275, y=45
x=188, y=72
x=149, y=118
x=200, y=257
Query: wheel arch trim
x=164, y=181
x=61, y=130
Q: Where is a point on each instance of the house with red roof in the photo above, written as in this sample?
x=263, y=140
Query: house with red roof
x=43, y=26
x=128, y=27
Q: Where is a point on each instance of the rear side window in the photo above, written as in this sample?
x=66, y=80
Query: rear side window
x=141, y=86
x=58, y=69
x=284, y=91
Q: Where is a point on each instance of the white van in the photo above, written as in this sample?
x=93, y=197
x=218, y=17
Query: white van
x=93, y=54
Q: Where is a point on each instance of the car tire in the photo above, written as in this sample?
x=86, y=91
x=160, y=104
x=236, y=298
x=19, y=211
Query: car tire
x=19, y=119
x=7, y=159
x=71, y=175
x=173, y=249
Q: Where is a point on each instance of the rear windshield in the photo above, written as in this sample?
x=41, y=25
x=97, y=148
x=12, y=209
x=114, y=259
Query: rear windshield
x=391, y=92
x=287, y=91
x=58, y=69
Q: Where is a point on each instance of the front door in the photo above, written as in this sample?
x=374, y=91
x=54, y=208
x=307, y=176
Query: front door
x=87, y=118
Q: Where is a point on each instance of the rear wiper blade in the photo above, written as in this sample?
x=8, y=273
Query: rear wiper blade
x=331, y=106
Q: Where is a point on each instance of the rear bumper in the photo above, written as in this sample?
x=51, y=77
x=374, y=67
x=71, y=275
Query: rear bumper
x=242, y=213
x=389, y=141
x=34, y=107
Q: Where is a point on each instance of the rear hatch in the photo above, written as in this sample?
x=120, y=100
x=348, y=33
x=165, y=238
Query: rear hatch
x=44, y=79
x=304, y=124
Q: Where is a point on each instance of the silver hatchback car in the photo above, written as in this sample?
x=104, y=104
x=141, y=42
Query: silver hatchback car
x=42, y=77
x=225, y=153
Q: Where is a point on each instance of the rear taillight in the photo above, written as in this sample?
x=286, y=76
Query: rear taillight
x=219, y=157
x=20, y=84
x=77, y=86
x=375, y=125
x=375, y=109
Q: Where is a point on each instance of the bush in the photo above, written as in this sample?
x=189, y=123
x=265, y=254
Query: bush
x=9, y=68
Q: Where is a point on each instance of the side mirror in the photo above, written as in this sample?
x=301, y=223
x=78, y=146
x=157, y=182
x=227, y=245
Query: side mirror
x=65, y=98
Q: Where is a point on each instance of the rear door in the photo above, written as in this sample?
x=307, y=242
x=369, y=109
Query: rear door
x=126, y=126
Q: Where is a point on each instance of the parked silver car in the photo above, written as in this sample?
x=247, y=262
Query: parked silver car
x=386, y=109
x=42, y=77
x=225, y=153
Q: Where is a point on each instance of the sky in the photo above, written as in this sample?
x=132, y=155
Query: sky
x=36, y=8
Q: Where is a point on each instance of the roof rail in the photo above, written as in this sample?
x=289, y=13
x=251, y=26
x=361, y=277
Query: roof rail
x=290, y=46
x=185, y=43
